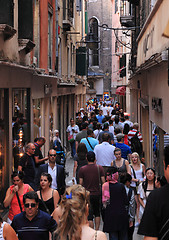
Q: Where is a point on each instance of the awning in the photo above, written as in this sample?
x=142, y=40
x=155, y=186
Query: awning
x=121, y=90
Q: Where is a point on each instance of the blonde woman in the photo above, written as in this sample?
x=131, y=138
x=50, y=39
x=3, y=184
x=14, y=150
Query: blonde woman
x=73, y=223
x=137, y=173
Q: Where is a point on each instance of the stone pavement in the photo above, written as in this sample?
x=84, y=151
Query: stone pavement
x=69, y=168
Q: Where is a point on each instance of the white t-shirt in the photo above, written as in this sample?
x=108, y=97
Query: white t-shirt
x=104, y=154
x=69, y=130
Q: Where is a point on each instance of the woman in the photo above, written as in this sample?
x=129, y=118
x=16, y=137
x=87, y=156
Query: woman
x=72, y=131
x=125, y=132
x=73, y=222
x=79, y=160
x=6, y=231
x=145, y=188
x=137, y=173
x=115, y=202
x=14, y=195
x=120, y=163
x=48, y=197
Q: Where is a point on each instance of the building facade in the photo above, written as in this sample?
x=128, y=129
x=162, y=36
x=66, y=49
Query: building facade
x=149, y=82
x=39, y=88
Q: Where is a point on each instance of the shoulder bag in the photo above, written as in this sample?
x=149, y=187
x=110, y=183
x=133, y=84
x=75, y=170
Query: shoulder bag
x=19, y=201
x=46, y=208
x=89, y=143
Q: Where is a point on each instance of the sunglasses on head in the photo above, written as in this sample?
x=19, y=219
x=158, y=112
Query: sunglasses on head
x=52, y=155
x=32, y=205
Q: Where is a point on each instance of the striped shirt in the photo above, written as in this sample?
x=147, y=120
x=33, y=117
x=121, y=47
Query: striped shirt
x=131, y=134
x=1, y=231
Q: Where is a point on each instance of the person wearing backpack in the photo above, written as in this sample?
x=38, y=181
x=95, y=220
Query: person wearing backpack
x=135, y=140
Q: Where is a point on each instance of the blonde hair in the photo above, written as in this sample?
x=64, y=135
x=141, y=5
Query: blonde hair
x=138, y=157
x=73, y=204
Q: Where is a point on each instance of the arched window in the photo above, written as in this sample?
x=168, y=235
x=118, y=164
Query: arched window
x=93, y=24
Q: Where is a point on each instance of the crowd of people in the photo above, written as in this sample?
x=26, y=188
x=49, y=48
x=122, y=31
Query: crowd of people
x=110, y=181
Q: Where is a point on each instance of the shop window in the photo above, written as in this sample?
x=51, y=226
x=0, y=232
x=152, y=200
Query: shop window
x=4, y=135
x=37, y=118
x=20, y=122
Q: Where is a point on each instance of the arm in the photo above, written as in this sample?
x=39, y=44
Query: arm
x=144, y=169
x=103, y=179
x=30, y=189
x=37, y=160
x=141, y=201
x=128, y=167
x=150, y=238
x=9, y=233
x=74, y=169
x=56, y=198
x=81, y=181
x=101, y=236
x=76, y=145
x=9, y=196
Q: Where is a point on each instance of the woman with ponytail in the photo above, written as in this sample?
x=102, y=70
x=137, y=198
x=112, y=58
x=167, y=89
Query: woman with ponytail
x=73, y=223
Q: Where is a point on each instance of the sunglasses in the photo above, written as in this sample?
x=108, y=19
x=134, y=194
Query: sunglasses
x=32, y=205
x=52, y=155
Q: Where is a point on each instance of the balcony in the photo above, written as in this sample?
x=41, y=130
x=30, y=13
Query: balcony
x=126, y=17
x=7, y=31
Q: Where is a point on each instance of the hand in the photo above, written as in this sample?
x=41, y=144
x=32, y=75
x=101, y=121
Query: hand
x=15, y=189
x=130, y=224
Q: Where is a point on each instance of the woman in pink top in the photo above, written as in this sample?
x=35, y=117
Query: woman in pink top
x=17, y=189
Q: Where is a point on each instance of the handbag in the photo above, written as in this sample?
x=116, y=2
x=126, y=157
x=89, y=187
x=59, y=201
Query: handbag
x=19, y=201
x=46, y=208
x=70, y=138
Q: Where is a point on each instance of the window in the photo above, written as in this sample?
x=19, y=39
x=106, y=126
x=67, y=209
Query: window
x=94, y=53
x=50, y=24
x=36, y=34
x=116, y=6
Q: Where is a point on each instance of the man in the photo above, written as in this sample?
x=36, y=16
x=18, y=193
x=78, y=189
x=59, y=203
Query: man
x=106, y=130
x=89, y=177
x=90, y=141
x=105, y=152
x=81, y=134
x=155, y=221
x=33, y=223
x=56, y=171
x=38, y=157
x=100, y=116
x=128, y=121
x=135, y=140
x=125, y=149
x=27, y=165
x=104, y=109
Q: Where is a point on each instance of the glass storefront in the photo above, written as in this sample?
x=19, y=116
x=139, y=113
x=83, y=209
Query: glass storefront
x=20, y=122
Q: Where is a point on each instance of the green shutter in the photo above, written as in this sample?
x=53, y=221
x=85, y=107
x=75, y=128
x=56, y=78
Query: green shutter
x=81, y=64
x=86, y=23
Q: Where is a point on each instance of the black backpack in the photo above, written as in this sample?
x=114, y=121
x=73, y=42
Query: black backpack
x=136, y=145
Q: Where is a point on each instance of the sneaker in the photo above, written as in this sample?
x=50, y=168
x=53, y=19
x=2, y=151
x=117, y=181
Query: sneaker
x=137, y=224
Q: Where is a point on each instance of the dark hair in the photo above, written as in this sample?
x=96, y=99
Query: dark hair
x=124, y=177
x=110, y=121
x=89, y=132
x=117, y=130
x=20, y=174
x=98, y=126
x=81, y=151
x=117, y=150
x=84, y=125
x=91, y=156
x=126, y=128
x=49, y=178
x=162, y=180
x=30, y=195
x=1, y=220
x=166, y=156
x=105, y=137
x=126, y=117
x=116, y=120
x=111, y=170
x=71, y=119
x=36, y=139
x=145, y=183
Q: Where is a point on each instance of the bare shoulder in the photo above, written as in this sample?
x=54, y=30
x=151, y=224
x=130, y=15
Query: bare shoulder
x=101, y=235
x=9, y=233
x=126, y=162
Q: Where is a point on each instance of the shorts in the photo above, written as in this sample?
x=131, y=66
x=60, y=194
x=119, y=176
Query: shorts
x=95, y=207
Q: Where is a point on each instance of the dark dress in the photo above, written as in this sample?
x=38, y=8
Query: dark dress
x=80, y=163
x=49, y=204
x=116, y=217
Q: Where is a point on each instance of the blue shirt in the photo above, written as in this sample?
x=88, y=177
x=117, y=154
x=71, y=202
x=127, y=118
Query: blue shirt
x=100, y=118
x=125, y=149
x=36, y=229
x=92, y=141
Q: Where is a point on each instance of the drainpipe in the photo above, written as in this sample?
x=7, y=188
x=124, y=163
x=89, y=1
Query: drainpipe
x=82, y=19
x=56, y=14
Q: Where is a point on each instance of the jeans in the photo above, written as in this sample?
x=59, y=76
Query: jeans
x=119, y=235
x=73, y=148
